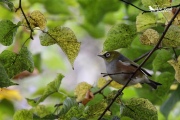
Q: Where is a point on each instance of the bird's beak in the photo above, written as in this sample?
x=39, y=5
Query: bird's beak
x=101, y=56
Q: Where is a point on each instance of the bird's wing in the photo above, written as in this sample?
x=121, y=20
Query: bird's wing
x=142, y=70
x=126, y=61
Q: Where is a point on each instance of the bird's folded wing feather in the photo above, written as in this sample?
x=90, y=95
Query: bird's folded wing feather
x=126, y=61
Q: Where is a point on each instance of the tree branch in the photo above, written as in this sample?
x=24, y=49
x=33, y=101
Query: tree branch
x=107, y=74
x=28, y=23
x=146, y=11
x=148, y=56
x=100, y=90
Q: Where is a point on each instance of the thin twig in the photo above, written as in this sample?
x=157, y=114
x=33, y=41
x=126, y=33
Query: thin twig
x=57, y=105
x=135, y=6
x=28, y=23
x=146, y=11
x=149, y=55
x=142, y=56
x=20, y=50
x=100, y=90
x=107, y=74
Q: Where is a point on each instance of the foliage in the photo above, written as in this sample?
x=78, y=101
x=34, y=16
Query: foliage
x=141, y=32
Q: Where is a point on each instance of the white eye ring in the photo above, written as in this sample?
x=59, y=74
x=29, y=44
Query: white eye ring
x=107, y=55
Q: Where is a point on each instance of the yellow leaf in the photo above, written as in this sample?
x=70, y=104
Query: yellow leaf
x=101, y=82
x=71, y=49
x=116, y=85
x=150, y=37
x=9, y=94
x=172, y=37
x=65, y=38
x=176, y=66
x=36, y=19
x=168, y=16
x=81, y=90
x=144, y=21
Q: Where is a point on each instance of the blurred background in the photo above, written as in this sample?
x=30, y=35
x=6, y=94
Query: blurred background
x=90, y=21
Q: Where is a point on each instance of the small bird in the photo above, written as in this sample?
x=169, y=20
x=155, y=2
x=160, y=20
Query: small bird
x=120, y=68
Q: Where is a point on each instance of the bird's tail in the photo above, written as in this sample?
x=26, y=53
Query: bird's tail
x=153, y=84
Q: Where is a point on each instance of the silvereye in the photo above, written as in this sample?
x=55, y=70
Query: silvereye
x=120, y=68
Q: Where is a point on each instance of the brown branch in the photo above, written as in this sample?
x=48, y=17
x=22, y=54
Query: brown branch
x=28, y=23
x=146, y=11
x=148, y=56
x=142, y=56
x=107, y=74
x=100, y=90
x=135, y=6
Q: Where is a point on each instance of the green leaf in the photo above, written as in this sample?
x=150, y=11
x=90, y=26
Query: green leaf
x=75, y=111
x=56, y=6
x=51, y=88
x=94, y=111
x=23, y=115
x=170, y=102
x=172, y=37
x=160, y=61
x=147, y=3
x=8, y=3
x=67, y=104
x=57, y=35
x=157, y=96
x=7, y=32
x=47, y=117
x=167, y=79
x=95, y=10
x=140, y=109
x=4, y=81
x=65, y=38
x=156, y=4
x=119, y=36
x=16, y=63
x=145, y=21
x=41, y=111
x=71, y=109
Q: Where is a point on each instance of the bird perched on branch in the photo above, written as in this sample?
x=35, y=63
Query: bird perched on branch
x=120, y=68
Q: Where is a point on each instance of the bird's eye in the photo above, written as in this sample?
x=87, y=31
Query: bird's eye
x=107, y=55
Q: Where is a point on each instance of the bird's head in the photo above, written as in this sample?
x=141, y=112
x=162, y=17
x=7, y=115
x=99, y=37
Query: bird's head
x=110, y=56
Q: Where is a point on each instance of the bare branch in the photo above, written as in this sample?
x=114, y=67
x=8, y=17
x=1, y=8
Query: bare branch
x=100, y=90
x=107, y=74
x=146, y=11
x=28, y=23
